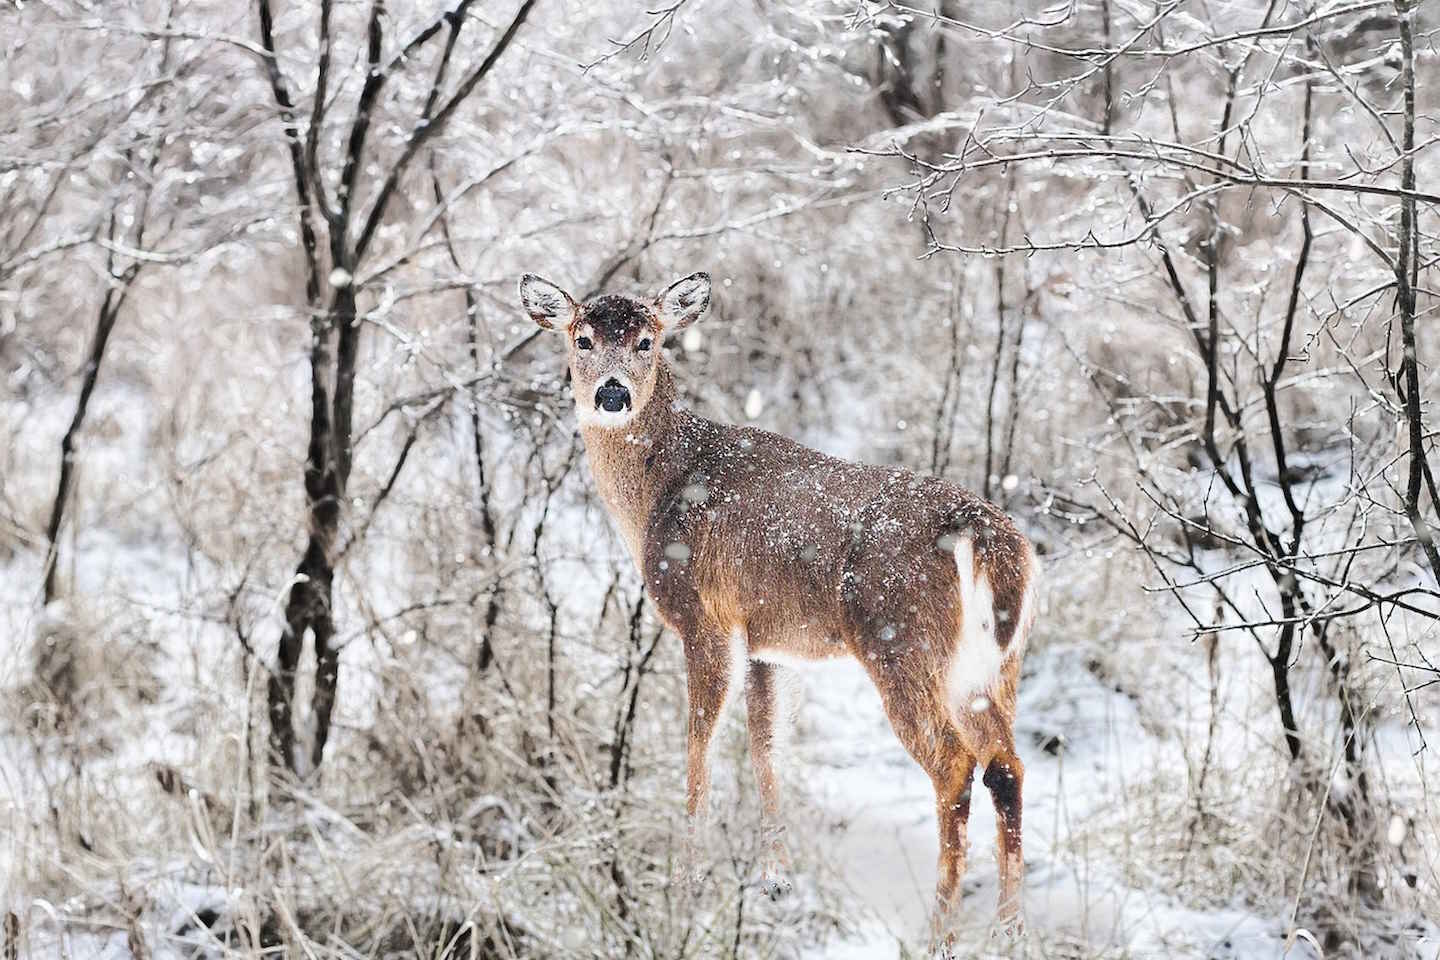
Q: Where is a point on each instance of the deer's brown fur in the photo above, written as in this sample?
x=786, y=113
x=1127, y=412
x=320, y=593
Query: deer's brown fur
x=755, y=547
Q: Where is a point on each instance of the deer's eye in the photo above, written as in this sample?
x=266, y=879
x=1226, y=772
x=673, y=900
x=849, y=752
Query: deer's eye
x=643, y=345
x=584, y=343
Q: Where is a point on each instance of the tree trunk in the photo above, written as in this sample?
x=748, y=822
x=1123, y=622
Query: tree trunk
x=309, y=606
x=109, y=310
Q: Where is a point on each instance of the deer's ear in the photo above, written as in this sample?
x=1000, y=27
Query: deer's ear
x=685, y=302
x=547, y=304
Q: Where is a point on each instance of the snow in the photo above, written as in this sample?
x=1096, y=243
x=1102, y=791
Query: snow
x=188, y=514
x=1099, y=742
x=883, y=849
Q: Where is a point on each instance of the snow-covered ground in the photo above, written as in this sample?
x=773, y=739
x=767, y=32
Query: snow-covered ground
x=1097, y=766
x=1113, y=716
x=882, y=844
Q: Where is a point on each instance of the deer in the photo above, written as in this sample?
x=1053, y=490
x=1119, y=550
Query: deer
x=761, y=553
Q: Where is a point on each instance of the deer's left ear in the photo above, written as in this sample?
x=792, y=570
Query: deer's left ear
x=685, y=302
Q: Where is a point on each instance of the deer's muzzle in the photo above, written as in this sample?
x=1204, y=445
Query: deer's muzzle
x=613, y=396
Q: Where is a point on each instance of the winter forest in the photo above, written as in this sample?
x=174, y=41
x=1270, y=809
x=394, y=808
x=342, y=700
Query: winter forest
x=317, y=640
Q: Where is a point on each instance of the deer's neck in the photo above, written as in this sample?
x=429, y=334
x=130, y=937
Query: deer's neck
x=635, y=464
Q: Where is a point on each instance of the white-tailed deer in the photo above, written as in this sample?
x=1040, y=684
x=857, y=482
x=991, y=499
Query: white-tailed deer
x=760, y=551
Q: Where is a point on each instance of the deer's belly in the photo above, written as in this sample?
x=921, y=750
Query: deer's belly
x=790, y=618
x=798, y=654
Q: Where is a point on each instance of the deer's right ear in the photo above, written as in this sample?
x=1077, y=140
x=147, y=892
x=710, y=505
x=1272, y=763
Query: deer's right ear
x=547, y=304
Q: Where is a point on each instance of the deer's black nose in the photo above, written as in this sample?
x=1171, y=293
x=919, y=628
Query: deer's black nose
x=613, y=396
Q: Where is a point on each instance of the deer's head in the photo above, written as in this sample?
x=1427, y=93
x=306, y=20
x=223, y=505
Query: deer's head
x=613, y=341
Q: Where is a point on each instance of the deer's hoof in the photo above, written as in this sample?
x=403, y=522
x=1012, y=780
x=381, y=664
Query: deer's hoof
x=775, y=886
x=943, y=948
x=688, y=875
x=691, y=879
x=1009, y=927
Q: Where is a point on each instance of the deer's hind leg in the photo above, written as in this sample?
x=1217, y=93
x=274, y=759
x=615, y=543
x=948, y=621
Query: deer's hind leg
x=1004, y=776
x=989, y=735
x=952, y=809
x=924, y=724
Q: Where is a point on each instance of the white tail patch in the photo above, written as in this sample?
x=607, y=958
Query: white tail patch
x=978, y=657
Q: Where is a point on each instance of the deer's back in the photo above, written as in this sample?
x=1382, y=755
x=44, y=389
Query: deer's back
x=813, y=556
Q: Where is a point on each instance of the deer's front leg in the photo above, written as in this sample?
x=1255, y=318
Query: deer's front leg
x=762, y=709
x=707, y=673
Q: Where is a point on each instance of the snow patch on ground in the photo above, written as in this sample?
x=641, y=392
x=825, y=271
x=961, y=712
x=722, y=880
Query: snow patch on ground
x=883, y=842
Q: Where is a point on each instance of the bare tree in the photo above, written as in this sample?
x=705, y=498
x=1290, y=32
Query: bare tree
x=338, y=227
x=1315, y=512
x=1153, y=276
x=124, y=145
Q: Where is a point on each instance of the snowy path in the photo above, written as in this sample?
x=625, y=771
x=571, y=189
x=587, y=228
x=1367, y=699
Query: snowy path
x=883, y=846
